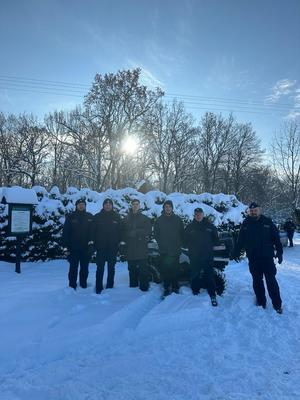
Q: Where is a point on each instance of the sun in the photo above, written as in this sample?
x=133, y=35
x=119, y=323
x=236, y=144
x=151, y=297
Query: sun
x=130, y=145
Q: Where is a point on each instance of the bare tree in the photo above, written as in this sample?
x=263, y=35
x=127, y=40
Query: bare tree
x=170, y=137
x=184, y=149
x=8, y=152
x=116, y=103
x=78, y=134
x=243, y=156
x=57, y=149
x=32, y=148
x=23, y=149
x=286, y=160
x=160, y=140
x=215, y=141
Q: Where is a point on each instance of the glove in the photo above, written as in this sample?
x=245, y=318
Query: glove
x=91, y=249
x=279, y=257
x=122, y=258
x=122, y=251
x=236, y=256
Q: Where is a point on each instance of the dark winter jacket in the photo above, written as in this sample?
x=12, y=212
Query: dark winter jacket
x=289, y=227
x=107, y=231
x=259, y=237
x=136, y=229
x=200, y=238
x=168, y=232
x=78, y=231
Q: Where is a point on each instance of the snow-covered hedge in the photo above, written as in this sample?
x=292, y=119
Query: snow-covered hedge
x=225, y=211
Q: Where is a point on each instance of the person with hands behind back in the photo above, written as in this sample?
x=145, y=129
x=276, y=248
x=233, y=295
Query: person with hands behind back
x=169, y=234
x=260, y=237
x=136, y=230
x=200, y=237
x=107, y=237
x=78, y=243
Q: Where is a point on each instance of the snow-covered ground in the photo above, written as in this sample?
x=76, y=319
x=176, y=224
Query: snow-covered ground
x=63, y=345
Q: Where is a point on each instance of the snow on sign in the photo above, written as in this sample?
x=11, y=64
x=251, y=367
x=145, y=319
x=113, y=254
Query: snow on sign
x=20, y=202
x=18, y=195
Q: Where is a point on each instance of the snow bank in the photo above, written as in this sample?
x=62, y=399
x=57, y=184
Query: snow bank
x=58, y=344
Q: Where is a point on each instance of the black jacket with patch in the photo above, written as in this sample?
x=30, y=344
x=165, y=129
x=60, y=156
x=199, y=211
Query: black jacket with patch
x=200, y=238
x=78, y=230
x=259, y=237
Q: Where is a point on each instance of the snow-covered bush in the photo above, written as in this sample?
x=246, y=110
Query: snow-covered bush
x=225, y=211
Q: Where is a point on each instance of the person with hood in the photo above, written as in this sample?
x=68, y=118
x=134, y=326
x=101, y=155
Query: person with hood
x=259, y=237
x=77, y=238
x=290, y=228
x=168, y=232
x=107, y=236
x=200, y=238
x=136, y=230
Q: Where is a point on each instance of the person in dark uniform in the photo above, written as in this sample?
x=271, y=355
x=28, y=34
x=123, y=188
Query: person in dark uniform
x=168, y=232
x=107, y=236
x=200, y=238
x=290, y=228
x=259, y=237
x=136, y=229
x=78, y=243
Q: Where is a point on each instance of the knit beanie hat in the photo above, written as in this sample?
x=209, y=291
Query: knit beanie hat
x=78, y=201
x=108, y=200
x=168, y=202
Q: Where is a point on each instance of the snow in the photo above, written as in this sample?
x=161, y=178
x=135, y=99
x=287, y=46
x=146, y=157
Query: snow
x=18, y=195
x=221, y=208
x=58, y=344
x=55, y=192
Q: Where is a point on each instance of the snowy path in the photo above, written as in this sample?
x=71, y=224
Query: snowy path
x=59, y=345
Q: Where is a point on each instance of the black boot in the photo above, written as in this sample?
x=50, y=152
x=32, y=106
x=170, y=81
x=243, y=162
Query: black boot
x=259, y=304
x=175, y=288
x=109, y=285
x=72, y=286
x=214, y=302
x=99, y=289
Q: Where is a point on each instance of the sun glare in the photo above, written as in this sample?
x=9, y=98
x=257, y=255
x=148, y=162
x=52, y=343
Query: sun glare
x=130, y=145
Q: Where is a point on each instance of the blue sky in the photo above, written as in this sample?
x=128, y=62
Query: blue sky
x=235, y=55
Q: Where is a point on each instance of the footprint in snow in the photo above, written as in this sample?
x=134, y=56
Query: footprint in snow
x=77, y=308
x=54, y=321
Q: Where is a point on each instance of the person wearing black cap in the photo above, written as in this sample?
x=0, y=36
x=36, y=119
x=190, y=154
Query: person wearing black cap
x=77, y=240
x=136, y=230
x=168, y=232
x=290, y=228
x=107, y=236
x=200, y=238
x=260, y=237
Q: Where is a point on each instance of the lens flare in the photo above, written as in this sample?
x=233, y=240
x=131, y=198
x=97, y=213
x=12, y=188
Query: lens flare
x=130, y=145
